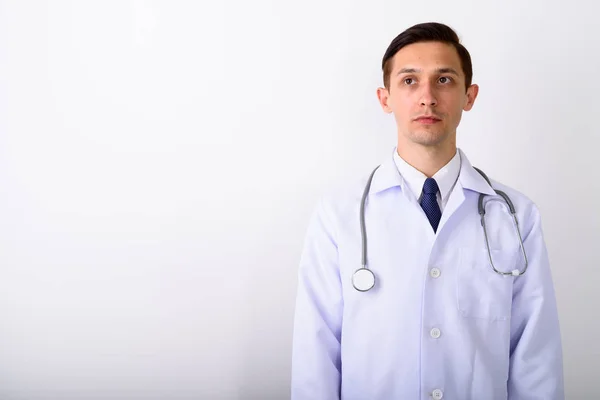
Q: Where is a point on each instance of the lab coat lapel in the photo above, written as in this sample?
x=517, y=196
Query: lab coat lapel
x=456, y=199
x=468, y=179
x=388, y=177
x=402, y=215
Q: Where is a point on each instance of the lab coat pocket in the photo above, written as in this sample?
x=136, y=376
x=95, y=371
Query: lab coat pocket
x=481, y=292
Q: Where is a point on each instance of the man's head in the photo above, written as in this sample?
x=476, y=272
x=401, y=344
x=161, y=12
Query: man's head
x=427, y=85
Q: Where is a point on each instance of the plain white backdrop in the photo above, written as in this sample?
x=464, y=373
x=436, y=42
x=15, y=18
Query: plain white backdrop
x=159, y=161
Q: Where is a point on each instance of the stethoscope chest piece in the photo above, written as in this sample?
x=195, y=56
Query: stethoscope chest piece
x=363, y=279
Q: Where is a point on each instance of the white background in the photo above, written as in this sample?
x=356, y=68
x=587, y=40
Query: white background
x=159, y=161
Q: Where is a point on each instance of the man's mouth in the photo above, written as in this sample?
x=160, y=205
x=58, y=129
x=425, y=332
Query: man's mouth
x=428, y=120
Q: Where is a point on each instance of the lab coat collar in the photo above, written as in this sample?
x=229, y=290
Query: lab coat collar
x=470, y=179
x=387, y=176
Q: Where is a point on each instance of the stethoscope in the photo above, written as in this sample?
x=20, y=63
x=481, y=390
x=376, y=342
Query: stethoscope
x=364, y=279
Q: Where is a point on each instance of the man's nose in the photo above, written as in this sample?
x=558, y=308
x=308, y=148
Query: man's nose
x=428, y=97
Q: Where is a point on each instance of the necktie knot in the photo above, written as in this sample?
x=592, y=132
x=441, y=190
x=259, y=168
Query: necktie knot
x=430, y=186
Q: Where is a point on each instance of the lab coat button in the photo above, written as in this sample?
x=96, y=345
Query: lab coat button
x=437, y=394
x=435, y=273
x=435, y=333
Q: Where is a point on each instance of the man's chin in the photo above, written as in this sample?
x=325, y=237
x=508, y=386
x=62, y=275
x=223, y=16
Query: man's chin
x=429, y=138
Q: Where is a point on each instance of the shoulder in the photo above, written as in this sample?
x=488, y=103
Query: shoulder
x=342, y=198
x=525, y=207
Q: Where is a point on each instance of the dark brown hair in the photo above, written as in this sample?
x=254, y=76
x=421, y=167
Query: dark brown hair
x=426, y=32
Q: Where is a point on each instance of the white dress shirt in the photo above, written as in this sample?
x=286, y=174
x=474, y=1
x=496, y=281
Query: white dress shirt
x=446, y=178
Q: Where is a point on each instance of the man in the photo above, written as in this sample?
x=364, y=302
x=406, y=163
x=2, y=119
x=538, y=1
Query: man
x=440, y=319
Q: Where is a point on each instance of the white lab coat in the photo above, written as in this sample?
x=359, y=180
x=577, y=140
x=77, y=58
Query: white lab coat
x=439, y=323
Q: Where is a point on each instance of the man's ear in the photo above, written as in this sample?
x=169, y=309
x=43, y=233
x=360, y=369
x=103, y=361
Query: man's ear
x=384, y=95
x=472, y=92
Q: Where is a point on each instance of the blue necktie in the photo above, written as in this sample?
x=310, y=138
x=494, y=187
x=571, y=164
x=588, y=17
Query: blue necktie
x=429, y=203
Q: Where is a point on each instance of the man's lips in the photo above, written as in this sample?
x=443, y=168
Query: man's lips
x=428, y=120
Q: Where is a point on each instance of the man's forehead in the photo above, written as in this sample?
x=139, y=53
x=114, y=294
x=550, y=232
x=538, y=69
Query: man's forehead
x=427, y=56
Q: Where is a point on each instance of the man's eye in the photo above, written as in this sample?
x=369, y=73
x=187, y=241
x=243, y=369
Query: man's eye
x=445, y=79
x=408, y=81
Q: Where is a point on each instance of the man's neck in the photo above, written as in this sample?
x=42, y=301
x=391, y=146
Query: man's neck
x=427, y=159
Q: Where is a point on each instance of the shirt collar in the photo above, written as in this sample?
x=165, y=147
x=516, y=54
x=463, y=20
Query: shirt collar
x=446, y=177
x=388, y=176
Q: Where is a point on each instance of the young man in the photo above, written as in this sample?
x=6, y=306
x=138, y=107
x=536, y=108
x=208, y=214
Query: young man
x=447, y=305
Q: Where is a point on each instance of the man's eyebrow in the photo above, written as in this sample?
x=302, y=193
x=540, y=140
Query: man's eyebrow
x=447, y=71
x=408, y=71
x=444, y=70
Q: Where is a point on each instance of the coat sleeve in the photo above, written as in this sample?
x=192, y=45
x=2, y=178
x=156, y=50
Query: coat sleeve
x=536, y=361
x=316, y=363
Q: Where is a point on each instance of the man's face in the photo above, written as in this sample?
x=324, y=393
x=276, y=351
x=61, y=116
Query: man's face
x=427, y=94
